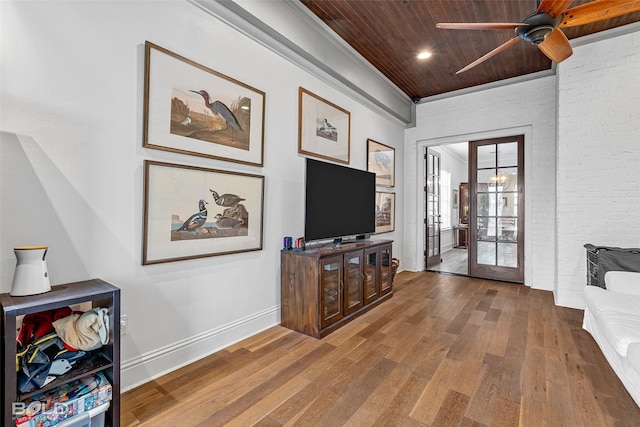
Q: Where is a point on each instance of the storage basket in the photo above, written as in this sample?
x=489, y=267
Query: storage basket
x=601, y=259
x=592, y=265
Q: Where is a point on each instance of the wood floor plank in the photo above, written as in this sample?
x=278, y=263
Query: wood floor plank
x=262, y=407
x=500, y=337
x=295, y=405
x=262, y=389
x=357, y=392
x=320, y=405
x=534, y=413
x=381, y=397
x=534, y=379
x=445, y=350
x=451, y=412
x=434, y=394
x=398, y=411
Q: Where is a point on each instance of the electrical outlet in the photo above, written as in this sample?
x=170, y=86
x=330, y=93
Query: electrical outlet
x=124, y=324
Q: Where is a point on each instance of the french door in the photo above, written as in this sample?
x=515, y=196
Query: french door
x=496, y=220
x=432, y=208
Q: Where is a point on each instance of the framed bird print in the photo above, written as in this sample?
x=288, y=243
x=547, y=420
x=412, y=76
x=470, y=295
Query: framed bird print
x=192, y=109
x=323, y=128
x=381, y=159
x=194, y=212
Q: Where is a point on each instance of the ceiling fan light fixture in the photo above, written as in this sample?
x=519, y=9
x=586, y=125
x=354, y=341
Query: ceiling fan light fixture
x=540, y=25
x=537, y=35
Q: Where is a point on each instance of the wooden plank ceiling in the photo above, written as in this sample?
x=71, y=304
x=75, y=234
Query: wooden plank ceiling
x=390, y=33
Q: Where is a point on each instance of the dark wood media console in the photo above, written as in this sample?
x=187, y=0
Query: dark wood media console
x=323, y=288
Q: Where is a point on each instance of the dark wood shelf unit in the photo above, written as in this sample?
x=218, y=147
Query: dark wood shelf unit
x=323, y=288
x=105, y=359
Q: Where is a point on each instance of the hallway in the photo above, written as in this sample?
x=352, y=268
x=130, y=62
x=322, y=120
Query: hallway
x=454, y=260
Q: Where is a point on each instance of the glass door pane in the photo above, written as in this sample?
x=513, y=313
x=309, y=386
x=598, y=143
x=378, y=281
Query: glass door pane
x=432, y=208
x=331, y=289
x=371, y=286
x=353, y=281
x=385, y=270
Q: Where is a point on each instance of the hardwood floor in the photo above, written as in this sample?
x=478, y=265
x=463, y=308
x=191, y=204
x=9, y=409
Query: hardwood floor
x=455, y=260
x=444, y=351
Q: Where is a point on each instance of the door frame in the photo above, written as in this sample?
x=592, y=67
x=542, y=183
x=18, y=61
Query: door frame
x=513, y=274
x=414, y=232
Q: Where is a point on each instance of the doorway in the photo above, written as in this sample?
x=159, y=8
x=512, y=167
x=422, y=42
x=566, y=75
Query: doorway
x=484, y=237
x=496, y=208
x=447, y=165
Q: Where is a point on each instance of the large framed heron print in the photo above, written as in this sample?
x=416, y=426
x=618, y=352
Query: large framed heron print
x=194, y=212
x=192, y=109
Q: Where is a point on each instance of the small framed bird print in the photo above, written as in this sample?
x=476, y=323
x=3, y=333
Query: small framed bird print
x=323, y=128
x=381, y=159
x=192, y=109
x=194, y=212
x=385, y=212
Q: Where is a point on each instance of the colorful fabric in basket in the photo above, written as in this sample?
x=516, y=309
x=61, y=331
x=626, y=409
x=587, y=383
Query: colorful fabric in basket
x=51, y=407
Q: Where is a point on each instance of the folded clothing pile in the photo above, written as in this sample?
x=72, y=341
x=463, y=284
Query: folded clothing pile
x=50, y=342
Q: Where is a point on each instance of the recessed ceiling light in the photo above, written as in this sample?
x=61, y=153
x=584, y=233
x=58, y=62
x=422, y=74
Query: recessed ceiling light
x=424, y=55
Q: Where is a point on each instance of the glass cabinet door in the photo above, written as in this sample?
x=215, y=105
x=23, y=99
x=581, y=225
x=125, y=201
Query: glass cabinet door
x=331, y=290
x=385, y=269
x=371, y=287
x=353, y=281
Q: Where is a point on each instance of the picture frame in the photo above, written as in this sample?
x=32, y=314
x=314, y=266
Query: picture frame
x=323, y=128
x=195, y=212
x=381, y=159
x=195, y=110
x=385, y=212
x=455, y=199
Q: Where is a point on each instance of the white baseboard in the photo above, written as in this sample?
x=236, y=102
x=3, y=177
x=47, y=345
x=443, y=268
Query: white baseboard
x=161, y=361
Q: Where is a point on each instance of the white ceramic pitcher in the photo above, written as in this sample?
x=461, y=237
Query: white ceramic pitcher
x=31, y=276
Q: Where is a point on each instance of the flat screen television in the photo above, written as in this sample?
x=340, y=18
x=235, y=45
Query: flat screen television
x=339, y=201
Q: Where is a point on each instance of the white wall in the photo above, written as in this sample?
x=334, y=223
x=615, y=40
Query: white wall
x=72, y=167
x=598, y=156
x=527, y=108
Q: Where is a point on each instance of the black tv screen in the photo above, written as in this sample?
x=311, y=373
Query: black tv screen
x=339, y=201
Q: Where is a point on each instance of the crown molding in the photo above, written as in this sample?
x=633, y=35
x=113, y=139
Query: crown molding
x=237, y=17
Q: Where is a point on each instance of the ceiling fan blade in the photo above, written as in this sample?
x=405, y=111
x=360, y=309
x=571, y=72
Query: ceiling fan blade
x=598, y=10
x=490, y=54
x=554, y=7
x=556, y=46
x=479, y=25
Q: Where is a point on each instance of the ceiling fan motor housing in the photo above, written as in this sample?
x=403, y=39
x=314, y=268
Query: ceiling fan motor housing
x=540, y=25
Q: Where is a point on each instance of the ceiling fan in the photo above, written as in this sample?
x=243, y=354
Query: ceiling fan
x=543, y=27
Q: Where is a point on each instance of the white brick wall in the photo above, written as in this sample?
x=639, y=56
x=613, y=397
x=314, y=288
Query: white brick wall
x=598, y=156
x=594, y=197
x=524, y=108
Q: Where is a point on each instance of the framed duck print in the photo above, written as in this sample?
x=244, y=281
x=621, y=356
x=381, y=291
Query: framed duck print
x=195, y=212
